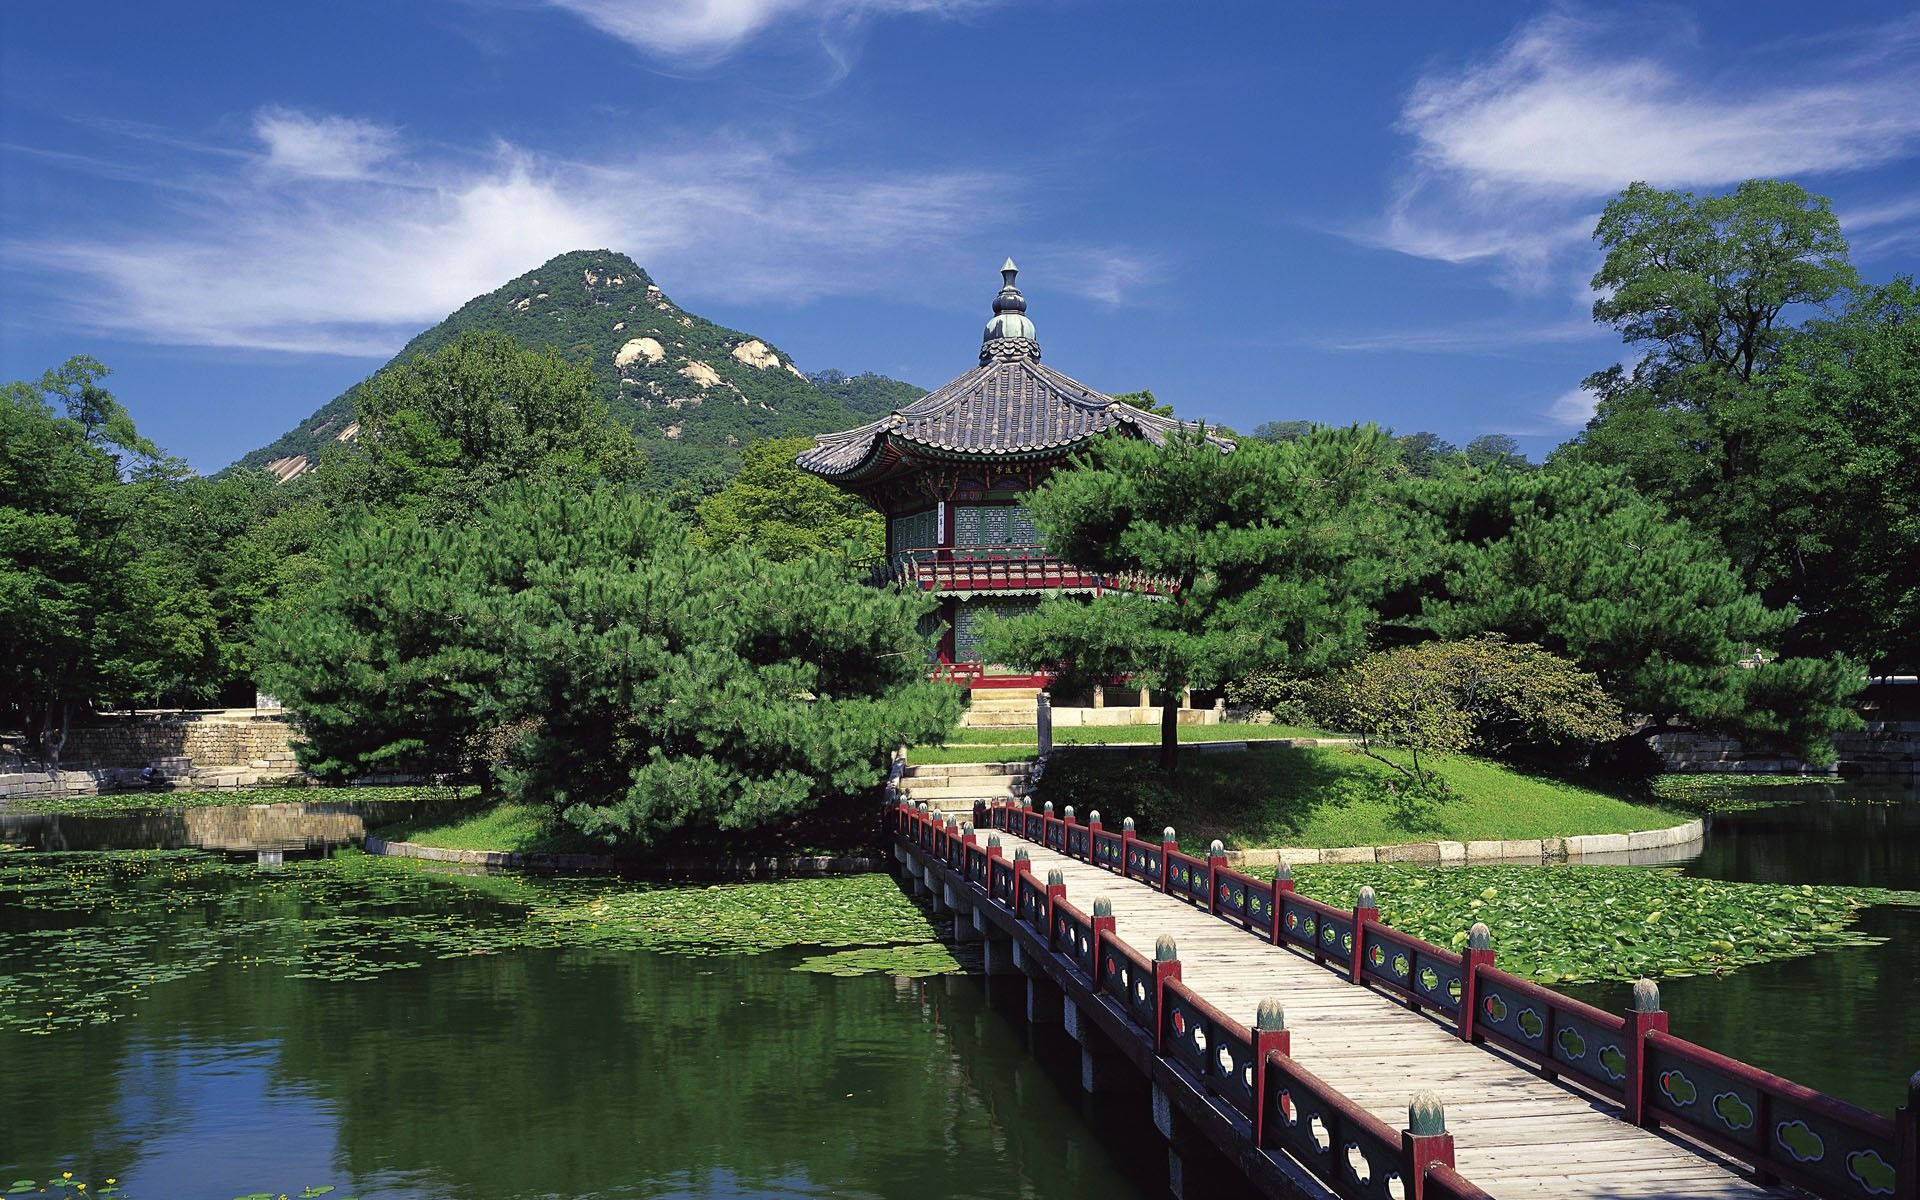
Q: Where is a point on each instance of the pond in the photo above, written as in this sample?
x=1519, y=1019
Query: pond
x=1843, y=1020
x=242, y=1042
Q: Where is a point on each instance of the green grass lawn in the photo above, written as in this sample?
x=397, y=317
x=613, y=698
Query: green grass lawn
x=1329, y=796
x=515, y=827
x=1008, y=745
x=133, y=801
x=1107, y=735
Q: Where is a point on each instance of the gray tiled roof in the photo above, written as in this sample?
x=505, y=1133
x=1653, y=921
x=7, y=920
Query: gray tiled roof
x=1010, y=404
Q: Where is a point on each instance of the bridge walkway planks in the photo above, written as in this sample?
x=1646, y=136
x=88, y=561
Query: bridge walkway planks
x=1516, y=1134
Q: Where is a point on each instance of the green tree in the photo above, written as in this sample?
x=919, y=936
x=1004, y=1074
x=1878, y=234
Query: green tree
x=446, y=428
x=788, y=514
x=1513, y=700
x=1282, y=431
x=95, y=606
x=1145, y=402
x=1704, y=281
x=1273, y=553
x=601, y=661
x=1706, y=288
x=667, y=686
x=1573, y=559
x=1848, y=523
x=1423, y=453
x=385, y=656
x=1495, y=452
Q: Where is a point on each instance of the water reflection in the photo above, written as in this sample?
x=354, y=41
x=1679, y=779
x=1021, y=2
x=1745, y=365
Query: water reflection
x=567, y=1072
x=1843, y=1020
x=228, y=828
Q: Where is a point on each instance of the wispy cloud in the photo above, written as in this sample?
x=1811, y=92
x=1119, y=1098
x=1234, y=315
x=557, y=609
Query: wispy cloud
x=323, y=147
x=1513, y=153
x=703, y=31
x=1476, y=337
x=1570, y=410
x=333, y=236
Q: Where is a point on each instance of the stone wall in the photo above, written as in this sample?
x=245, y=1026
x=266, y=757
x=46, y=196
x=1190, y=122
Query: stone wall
x=216, y=752
x=135, y=743
x=1882, y=748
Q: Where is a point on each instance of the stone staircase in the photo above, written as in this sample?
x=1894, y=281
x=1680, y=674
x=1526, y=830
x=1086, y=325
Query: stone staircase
x=1001, y=708
x=951, y=788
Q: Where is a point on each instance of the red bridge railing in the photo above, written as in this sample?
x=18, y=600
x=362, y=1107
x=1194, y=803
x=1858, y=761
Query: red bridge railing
x=1784, y=1131
x=1249, y=1069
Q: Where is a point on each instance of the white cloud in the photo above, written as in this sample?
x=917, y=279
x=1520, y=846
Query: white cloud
x=711, y=29
x=1476, y=337
x=1556, y=110
x=1570, y=410
x=1514, y=154
x=323, y=147
x=356, y=262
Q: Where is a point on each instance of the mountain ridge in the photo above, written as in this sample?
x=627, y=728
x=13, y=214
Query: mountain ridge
x=693, y=391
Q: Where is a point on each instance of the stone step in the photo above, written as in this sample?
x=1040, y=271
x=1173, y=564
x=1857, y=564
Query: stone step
x=931, y=770
x=993, y=720
x=968, y=794
x=1027, y=694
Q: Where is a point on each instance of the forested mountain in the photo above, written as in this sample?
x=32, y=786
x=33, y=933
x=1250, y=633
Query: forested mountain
x=695, y=392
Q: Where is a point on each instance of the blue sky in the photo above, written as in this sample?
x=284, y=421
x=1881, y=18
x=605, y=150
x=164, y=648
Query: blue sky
x=1261, y=211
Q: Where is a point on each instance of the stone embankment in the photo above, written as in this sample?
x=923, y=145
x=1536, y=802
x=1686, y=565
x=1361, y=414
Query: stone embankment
x=738, y=867
x=196, y=751
x=1602, y=847
x=1879, y=748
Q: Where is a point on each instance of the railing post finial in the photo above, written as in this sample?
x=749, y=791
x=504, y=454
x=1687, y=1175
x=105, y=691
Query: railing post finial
x=1366, y=898
x=1047, y=808
x=1165, y=949
x=1271, y=1016
x=1056, y=878
x=1426, y=1116
x=1644, y=1018
x=1103, y=906
x=1646, y=996
x=1126, y=825
x=1479, y=937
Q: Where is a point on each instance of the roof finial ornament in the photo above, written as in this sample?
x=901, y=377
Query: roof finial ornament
x=1009, y=334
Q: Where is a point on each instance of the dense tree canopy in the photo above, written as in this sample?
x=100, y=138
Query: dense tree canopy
x=1575, y=560
x=1277, y=552
x=787, y=513
x=598, y=659
x=97, y=602
x=1774, y=437
x=441, y=431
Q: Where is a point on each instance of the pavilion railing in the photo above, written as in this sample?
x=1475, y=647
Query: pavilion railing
x=1023, y=568
x=1784, y=1131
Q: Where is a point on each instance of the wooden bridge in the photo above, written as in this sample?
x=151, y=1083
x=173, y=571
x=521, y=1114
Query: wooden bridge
x=1507, y=1088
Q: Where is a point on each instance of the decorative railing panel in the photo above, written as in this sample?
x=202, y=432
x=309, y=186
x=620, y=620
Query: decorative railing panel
x=1188, y=877
x=1000, y=882
x=1128, y=977
x=1143, y=862
x=976, y=869
x=1109, y=850
x=1056, y=831
x=1805, y=1137
x=1032, y=907
x=1556, y=1031
x=1216, y=1048
x=1073, y=936
x=1319, y=928
x=1419, y=970
x=1077, y=841
x=1350, y=1149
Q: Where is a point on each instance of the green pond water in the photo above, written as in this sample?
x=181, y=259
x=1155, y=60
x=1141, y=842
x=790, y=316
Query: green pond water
x=387, y=1032
x=189, y=1025
x=1845, y=1021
